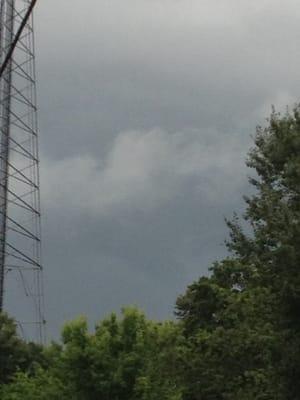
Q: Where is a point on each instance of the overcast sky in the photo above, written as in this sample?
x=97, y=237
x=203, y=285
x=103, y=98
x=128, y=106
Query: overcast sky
x=146, y=111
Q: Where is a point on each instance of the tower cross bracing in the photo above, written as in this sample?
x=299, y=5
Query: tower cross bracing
x=21, y=285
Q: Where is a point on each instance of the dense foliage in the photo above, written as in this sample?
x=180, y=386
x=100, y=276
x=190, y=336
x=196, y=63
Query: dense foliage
x=237, y=334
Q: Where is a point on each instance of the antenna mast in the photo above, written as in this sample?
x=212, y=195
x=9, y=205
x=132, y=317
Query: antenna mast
x=21, y=285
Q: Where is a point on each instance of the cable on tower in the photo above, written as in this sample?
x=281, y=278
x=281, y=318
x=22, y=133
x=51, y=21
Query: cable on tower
x=17, y=37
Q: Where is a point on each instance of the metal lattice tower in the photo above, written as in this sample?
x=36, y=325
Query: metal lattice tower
x=21, y=285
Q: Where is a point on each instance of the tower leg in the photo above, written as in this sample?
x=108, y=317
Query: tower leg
x=7, y=22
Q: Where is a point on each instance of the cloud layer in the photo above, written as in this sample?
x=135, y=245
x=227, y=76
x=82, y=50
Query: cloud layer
x=146, y=110
x=144, y=170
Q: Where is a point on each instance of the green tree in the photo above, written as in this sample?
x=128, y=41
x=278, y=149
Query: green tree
x=15, y=354
x=41, y=386
x=242, y=323
x=127, y=358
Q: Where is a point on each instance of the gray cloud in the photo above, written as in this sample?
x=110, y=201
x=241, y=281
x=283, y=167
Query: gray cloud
x=144, y=170
x=146, y=111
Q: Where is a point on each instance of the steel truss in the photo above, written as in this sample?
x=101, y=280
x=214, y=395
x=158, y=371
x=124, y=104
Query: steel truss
x=21, y=284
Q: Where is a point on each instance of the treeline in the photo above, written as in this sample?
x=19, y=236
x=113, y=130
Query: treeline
x=237, y=332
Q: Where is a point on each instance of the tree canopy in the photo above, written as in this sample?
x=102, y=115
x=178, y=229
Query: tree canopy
x=237, y=333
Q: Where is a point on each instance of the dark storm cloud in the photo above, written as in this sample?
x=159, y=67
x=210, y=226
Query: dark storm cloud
x=146, y=108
